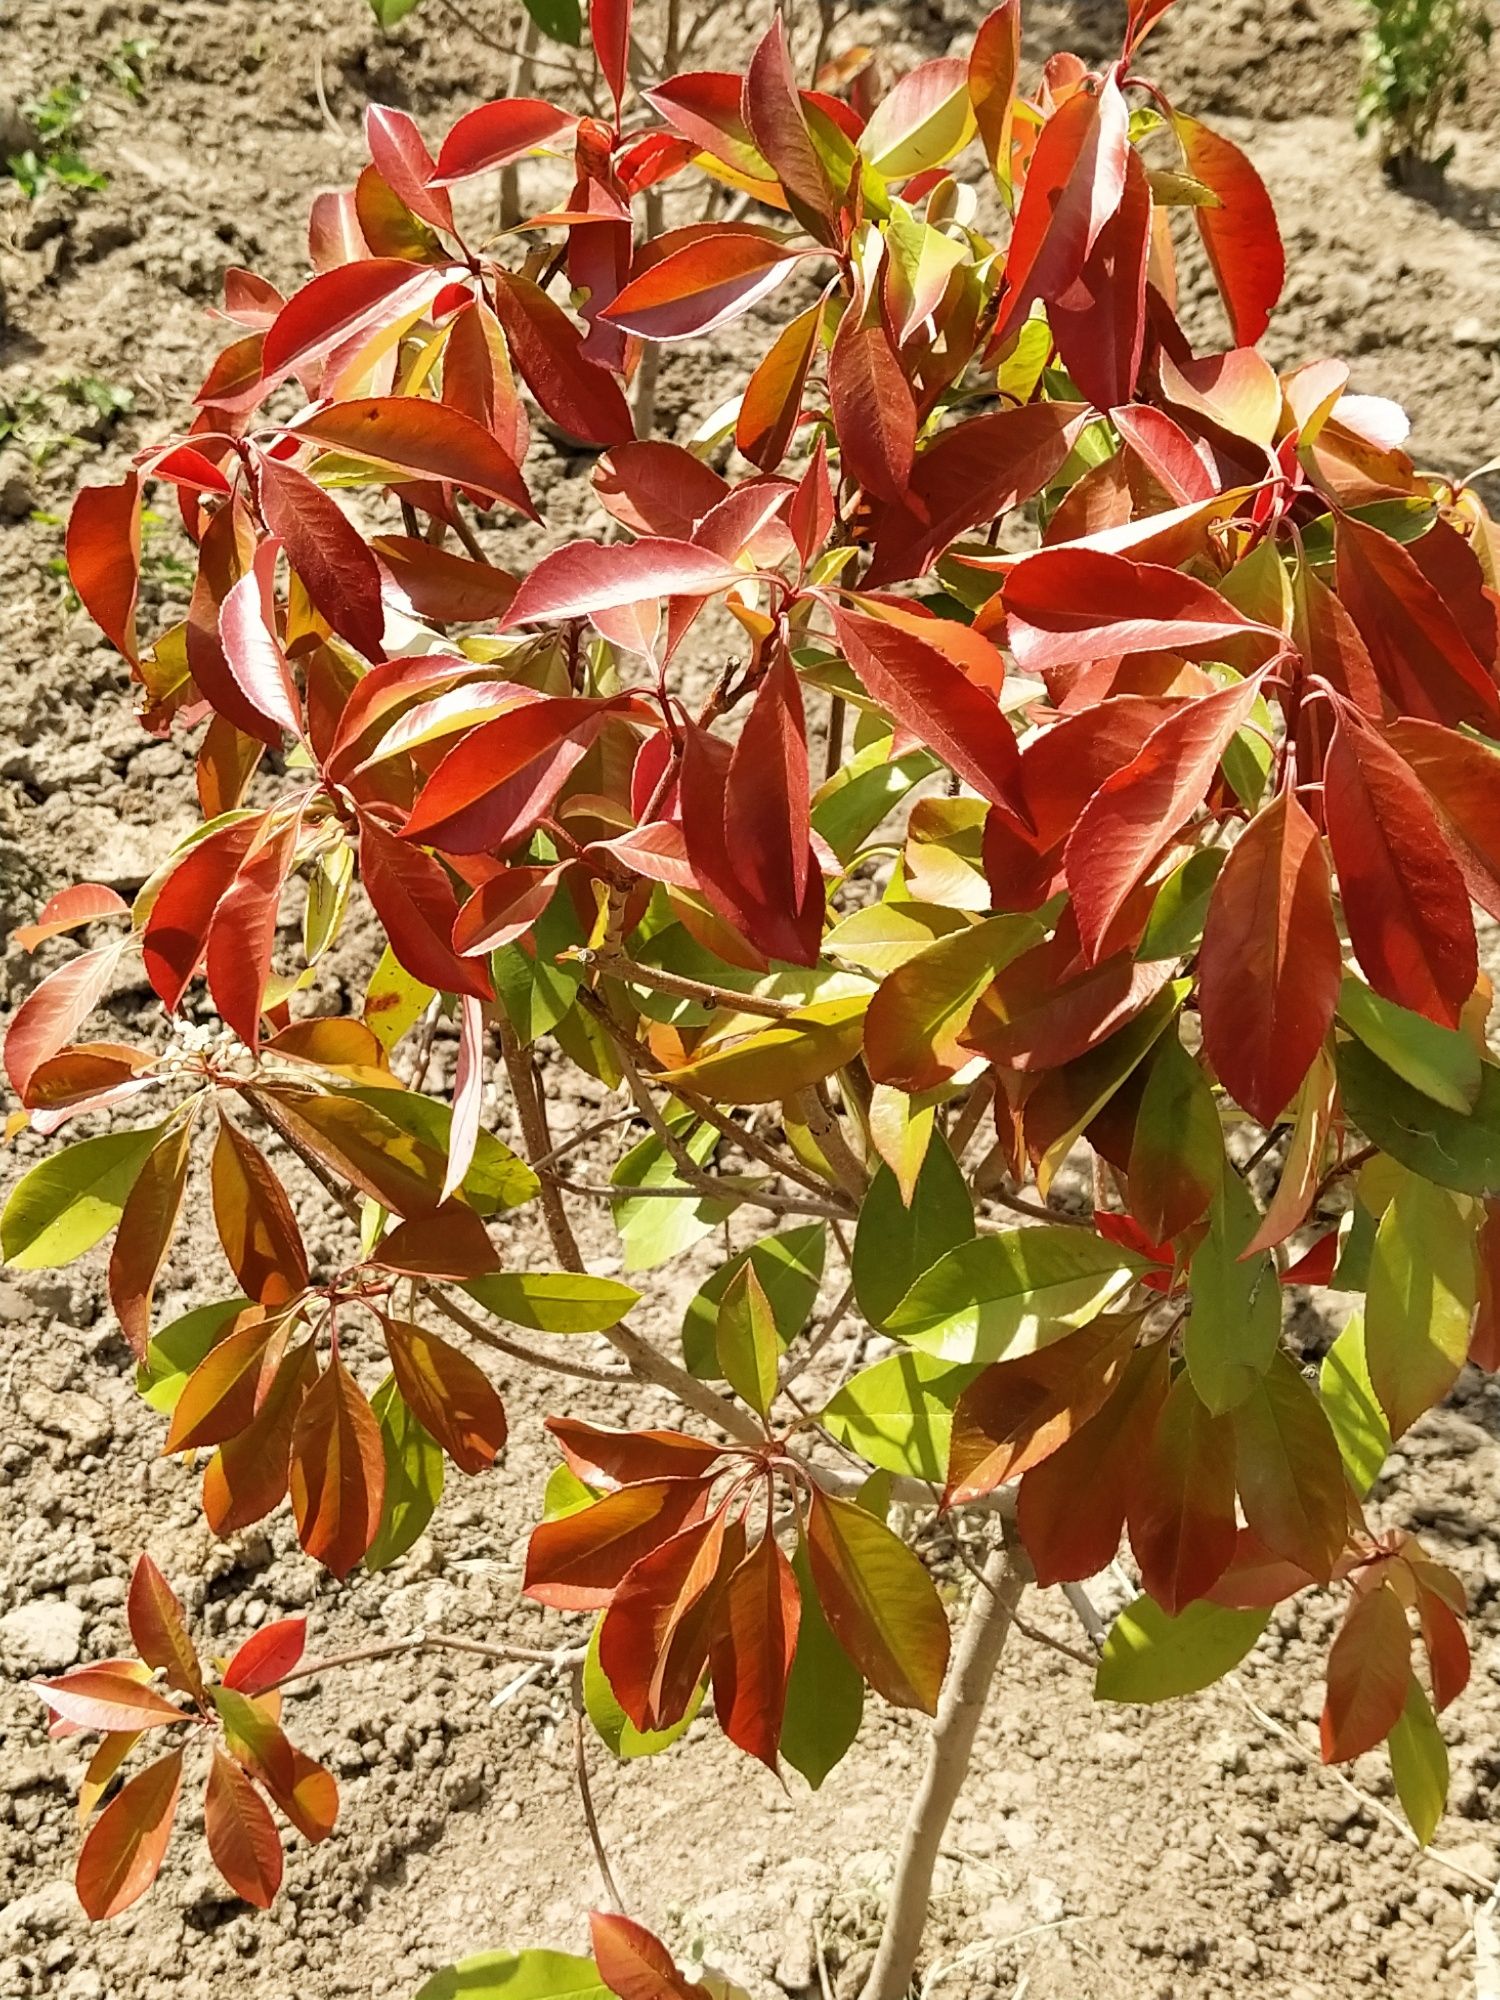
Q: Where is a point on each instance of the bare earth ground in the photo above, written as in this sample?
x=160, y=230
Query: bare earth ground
x=1099, y=1854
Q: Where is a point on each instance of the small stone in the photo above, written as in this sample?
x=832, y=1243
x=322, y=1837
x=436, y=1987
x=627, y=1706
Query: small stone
x=1472, y=331
x=17, y=487
x=43, y=1636
x=1047, y=1901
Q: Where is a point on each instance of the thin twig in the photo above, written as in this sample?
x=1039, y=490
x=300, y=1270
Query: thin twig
x=557, y=1657
x=796, y=1366
x=586, y=1795
x=552, y=1364
x=1236, y=1686
x=968, y=1121
x=618, y=966
x=505, y=48
x=1018, y=1205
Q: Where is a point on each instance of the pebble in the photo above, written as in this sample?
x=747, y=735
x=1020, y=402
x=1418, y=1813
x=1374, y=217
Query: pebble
x=43, y=1636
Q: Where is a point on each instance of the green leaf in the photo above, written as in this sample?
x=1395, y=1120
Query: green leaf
x=790, y=1268
x=1177, y=1153
x=1175, y=926
x=1235, y=1321
x=394, y=1001
x=1429, y=1139
x=1442, y=1063
x=517, y=1975
x=173, y=1354
x=825, y=1696
x=654, y=1229
x=389, y=12
x=894, y=1244
x=554, y=1301
x=413, y=1477
x=746, y=1341
x=534, y=989
x=496, y=1179
x=859, y=796
x=71, y=1199
x=882, y=936
x=559, y=20
x=1013, y=1292
x=1419, y=1764
x=565, y=1494
x=898, y=1415
x=1423, y=1285
x=1359, y=1424
x=1151, y=1657
x=611, y=1721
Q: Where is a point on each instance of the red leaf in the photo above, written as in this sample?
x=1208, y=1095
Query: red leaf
x=327, y=551
x=1404, y=899
x=128, y=1842
x=771, y=106
x=634, y=1964
x=1443, y=1634
x=255, y=1221
x=51, y=1014
x=609, y=30
x=452, y=1242
x=1065, y=606
x=421, y=439
x=267, y=1656
x=176, y=932
x=339, y=305
x=1100, y=322
x=1271, y=962
x=1462, y=779
x=548, y=349
x=247, y=1475
x=247, y=633
x=810, y=511
x=1421, y=652
x=925, y=693
x=993, y=66
x=69, y=910
x=221, y=1395
x=448, y=1394
x=704, y=285
x=404, y=163
x=106, y=1698
x=503, y=909
x=241, y=1833
x=147, y=1224
x=104, y=557
x=1073, y=187
x=1240, y=236
x=752, y=1659
x=224, y=557
x=1167, y=452
x=1070, y=1509
x=496, y=783
x=966, y=476
x=1015, y=1414
x=492, y=135
x=242, y=933
x=772, y=405
x=584, y=577
x=1182, y=1519
x=1137, y=811
x=656, y=488
x=576, y=1563
x=874, y=410
x=623, y=1457
x=654, y=1638
x=417, y=908
x=1369, y=1671
x=434, y=583
x=337, y=1471
x=767, y=826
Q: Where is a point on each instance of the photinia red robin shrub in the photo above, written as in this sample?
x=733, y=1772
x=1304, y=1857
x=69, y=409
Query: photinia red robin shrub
x=1106, y=978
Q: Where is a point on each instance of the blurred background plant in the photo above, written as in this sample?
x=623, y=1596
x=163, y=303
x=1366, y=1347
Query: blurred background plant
x=1419, y=60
